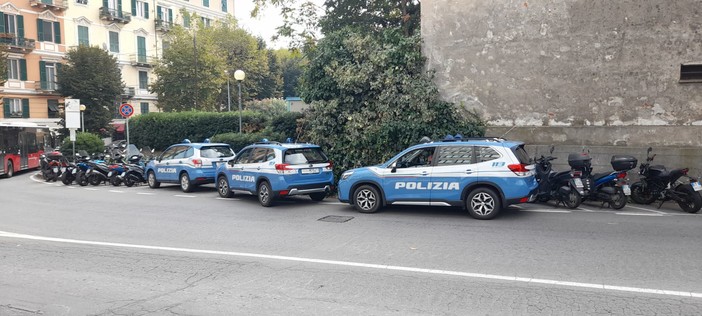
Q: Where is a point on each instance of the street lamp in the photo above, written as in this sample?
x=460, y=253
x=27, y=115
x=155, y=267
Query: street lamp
x=229, y=98
x=82, y=121
x=239, y=76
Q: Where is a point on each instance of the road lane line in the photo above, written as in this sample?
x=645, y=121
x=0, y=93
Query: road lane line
x=639, y=214
x=364, y=265
x=146, y=193
x=91, y=189
x=645, y=209
x=545, y=211
x=115, y=191
x=70, y=187
x=185, y=196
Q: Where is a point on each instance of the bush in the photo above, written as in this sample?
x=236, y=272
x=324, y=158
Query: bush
x=238, y=141
x=91, y=143
x=285, y=124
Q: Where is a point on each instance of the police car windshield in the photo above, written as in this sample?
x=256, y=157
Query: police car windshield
x=300, y=156
x=216, y=152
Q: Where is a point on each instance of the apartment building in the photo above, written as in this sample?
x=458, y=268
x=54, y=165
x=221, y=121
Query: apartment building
x=33, y=32
x=39, y=32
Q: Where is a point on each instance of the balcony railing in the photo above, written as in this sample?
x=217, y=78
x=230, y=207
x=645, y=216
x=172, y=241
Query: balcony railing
x=49, y=4
x=115, y=15
x=128, y=92
x=163, y=25
x=47, y=86
x=141, y=60
x=17, y=44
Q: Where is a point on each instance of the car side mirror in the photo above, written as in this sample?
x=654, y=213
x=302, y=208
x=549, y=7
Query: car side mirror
x=393, y=170
x=231, y=163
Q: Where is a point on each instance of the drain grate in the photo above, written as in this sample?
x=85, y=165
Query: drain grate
x=336, y=219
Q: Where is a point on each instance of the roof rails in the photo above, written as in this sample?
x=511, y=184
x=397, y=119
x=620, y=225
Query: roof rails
x=267, y=142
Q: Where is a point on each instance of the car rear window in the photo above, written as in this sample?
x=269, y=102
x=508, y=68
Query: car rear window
x=521, y=154
x=216, y=152
x=300, y=156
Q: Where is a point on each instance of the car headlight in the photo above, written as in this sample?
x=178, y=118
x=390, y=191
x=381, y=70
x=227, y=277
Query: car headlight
x=346, y=175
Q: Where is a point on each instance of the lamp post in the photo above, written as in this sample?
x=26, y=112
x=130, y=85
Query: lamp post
x=239, y=76
x=82, y=121
x=229, y=98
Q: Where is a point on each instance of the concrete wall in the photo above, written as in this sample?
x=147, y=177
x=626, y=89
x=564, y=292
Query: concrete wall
x=613, y=65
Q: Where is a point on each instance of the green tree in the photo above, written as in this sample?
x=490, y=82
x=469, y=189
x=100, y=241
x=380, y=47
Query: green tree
x=365, y=15
x=371, y=97
x=272, y=82
x=190, y=75
x=91, y=75
x=292, y=64
x=88, y=142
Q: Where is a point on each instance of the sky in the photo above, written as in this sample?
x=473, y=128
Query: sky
x=264, y=25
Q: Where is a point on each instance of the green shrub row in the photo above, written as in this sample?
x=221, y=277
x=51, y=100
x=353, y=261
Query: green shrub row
x=88, y=142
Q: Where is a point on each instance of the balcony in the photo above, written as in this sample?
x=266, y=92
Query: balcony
x=58, y=5
x=163, y=26
x=142, y=60
x=108, y=14
x=128, y=92
x=46, y=86
x=17, y=44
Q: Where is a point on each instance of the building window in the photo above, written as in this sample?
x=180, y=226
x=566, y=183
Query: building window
x=48, y=31
x=165, y=45
x=186, y=20
x=10, y=23
x=14, y=108
x=13, y=69
x=206, y=3
x=85, y=2
x=53, y=108
x=144, y=107
x=47, y=72
x=224, y=5
x=205, y=21
x=164, y=14
x=114, y=42
x=140, y=8
x=691, y=73
x=83, y=35
x=143, y=80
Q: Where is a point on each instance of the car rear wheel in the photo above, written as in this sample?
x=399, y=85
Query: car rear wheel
x=483, y=203
x=185, y=184
x=366, y=199
x=223, y=188
x=265, y=194
x=151, y=177
x=319, y=196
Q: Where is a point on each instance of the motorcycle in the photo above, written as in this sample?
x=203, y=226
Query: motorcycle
x=134, y=173
x=657, y=183
x=97, y=172
x=68, y=174
x=565, y=187
x=609, y=187
x=51, y=165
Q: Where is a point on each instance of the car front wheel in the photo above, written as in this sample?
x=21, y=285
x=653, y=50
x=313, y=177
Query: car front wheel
x=483, y=203
x=151, y=177
x=223, y=188
x=366, y=199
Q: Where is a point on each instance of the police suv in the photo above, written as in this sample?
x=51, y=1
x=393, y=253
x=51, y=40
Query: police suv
x=481, y=174
x=188, y=164
x=271, y=170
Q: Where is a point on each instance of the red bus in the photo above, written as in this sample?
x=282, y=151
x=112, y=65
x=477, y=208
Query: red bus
x=21, y=145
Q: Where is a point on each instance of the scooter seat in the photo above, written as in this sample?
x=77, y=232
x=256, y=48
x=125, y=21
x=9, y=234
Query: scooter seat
x=598, y=176
x=558, y=174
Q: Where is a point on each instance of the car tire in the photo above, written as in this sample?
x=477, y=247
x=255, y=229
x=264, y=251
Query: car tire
x=366, y=199
x=185, y=184
x=319, y=196
x=10, y=171
x=223, y=188
x=265, y=194
x=483, y=203
x=151, y=179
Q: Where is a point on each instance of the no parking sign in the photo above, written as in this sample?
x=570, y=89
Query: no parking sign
x=126, y=110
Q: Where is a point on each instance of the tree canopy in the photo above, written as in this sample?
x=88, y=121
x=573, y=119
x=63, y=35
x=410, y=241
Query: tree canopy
x=91, y=75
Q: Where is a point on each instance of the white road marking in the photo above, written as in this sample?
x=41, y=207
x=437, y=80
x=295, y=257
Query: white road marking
x=227, y=199
x=146, y=193
x=91, y=189
x=364, y=265
x=649, y=210
x=638, y=214
x=185, y=196
x=71, y=187
x=333, y=203
x=115, y=191
x=545, y=211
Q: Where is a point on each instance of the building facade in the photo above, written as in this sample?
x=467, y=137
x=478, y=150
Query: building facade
x=34, y=35
x=130, y=30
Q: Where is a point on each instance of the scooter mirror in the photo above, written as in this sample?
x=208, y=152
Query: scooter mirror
x=649, y=150
x=550, y=150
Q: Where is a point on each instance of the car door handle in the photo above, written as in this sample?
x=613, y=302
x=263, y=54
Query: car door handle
x=259, y=168
x=424, y=173
x=469, y=171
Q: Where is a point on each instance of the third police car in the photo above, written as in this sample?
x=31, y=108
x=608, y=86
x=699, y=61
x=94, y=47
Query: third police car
x=482, y=174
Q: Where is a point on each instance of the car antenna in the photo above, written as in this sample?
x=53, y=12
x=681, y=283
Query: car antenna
x=507, y=132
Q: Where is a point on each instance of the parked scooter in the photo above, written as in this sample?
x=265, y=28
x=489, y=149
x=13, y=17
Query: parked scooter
x=135, y=172
x=68, y=175
x=97, y=172
x=51, y=164
x=657, y=183
x=565, y=187
x=609, y=187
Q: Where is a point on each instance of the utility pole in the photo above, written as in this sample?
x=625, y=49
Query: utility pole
x=197, y=94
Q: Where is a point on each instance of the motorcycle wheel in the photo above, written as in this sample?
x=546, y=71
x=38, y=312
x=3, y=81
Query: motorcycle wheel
x=129, y=181
x=618, y=200
x=573, y=199
x=115, y=181
x=693, y=200
x=82, y=179
x=641, y=195
x=94, y=179
x=65, y=179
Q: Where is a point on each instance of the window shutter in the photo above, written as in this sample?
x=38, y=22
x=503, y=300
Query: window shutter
x=42, y=74
x=170, y=15
x=134, y=11
x=119, y=8
x=146, y=10
x=159, y=15
x=40, y=30
x=20, y=26
x=2, y=22
x=25, y=108
x=186, y=20
x=104, y=4
x=23, y=69
x=57, y=33
x=6, y=107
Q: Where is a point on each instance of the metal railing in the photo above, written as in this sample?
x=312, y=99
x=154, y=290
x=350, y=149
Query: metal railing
x=46, y=85
x=51, y=4
x=142, y=60
x=129, y=92
x=14, y=42
x=115, y=15
x=163, y=25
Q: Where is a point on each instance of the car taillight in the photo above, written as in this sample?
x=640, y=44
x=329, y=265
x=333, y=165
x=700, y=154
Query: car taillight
x=576, y=174
x=519, y=169
x=197, y=163
x=684, y=171
x=284, y=168
x=330, y=166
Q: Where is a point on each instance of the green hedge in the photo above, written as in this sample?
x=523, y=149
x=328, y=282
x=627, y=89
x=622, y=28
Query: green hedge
x=160, y=130
x=238, y=141
x=91, y=143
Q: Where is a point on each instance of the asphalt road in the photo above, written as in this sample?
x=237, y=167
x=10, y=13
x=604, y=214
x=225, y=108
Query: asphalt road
x=137, y=251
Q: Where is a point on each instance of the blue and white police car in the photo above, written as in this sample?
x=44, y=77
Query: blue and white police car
x=481, y=174
x=272, y=170
x=188, y=164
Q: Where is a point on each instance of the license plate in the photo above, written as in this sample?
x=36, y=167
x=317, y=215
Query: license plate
x=578, y=183
x=123, y=174
x=56, y=169
x=109, y=174
x=697, y=186
x=626, y=189
x=75, y=171
x=310, y=171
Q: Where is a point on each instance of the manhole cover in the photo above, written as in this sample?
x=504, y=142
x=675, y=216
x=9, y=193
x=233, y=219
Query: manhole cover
x=336, y=219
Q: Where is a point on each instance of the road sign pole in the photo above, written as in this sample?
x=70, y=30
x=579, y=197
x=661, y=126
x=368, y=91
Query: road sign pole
x=126, y=130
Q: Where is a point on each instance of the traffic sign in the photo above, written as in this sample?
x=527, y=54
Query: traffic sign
x=126, y=110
